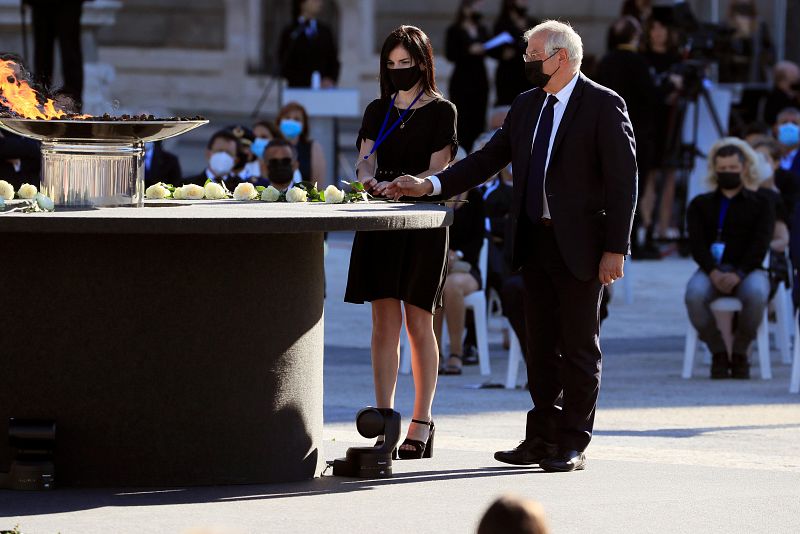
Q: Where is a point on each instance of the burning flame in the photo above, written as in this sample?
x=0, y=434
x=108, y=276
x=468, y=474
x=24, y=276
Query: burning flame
x=18, y=96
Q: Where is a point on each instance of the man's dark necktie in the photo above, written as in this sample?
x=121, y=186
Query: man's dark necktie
x=535, y=187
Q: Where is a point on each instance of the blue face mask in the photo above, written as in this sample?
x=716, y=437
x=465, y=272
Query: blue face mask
x=291, y=129
x=259, y=146
x=789, y=134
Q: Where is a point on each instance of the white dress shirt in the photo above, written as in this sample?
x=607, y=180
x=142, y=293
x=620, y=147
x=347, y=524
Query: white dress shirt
x=558, y=113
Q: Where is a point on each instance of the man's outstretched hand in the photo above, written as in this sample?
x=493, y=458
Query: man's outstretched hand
x=406, y=185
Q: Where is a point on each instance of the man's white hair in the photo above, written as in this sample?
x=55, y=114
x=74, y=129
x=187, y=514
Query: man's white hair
x=559, y=35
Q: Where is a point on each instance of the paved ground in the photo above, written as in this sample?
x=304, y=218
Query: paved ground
x=669, y=455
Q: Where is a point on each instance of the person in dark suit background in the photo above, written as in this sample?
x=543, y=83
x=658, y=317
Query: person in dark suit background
x=160, y=165
x=469, y=83
x=221, y=152
x=626, y=71
x=307, y=46
x=574, y=199
x=509, y=78
x=58, y=21
x=20, y=160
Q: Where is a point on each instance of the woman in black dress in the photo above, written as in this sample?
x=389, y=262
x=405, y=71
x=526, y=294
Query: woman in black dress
x=469, y=84
x=410, y=129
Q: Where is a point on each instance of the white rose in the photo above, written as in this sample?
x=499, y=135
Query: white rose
x=333, y=195
x=214, y=191
x=296, y=194
x=245, y=191
x=27, y=191
x=178, y=193
x=45, y=202
x=192, y=192
x=270, y=194
x=6, y=190
x=156, y=192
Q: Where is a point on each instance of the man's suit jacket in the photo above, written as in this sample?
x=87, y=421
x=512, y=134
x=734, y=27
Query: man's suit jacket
x=591, y=177
x=164, y=167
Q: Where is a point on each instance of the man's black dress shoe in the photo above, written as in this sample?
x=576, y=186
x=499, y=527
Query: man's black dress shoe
x=528, y=452
x=564, y=462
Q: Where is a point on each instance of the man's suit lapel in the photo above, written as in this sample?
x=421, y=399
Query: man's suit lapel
x=569, y=113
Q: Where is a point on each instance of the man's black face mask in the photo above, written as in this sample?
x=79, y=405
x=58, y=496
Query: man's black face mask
x=535, y=74
x=280, y=170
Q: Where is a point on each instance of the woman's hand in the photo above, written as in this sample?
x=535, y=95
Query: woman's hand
x=368, y=182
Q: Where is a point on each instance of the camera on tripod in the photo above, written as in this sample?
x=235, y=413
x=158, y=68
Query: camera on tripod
x=33, y=442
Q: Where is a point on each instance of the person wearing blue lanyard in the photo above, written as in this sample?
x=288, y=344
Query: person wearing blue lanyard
x=730, y=230
x=410, y=129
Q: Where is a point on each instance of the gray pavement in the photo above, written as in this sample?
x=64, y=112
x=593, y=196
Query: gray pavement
x=669, y=455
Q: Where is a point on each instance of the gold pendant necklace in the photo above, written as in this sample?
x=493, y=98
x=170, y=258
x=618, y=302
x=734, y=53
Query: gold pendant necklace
x=403, y=122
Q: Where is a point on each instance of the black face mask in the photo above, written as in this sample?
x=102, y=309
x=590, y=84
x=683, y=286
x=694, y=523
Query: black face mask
x=729, y=180
x=476, y=17
x=534, y=73
x=280, y=171
x=405, y=79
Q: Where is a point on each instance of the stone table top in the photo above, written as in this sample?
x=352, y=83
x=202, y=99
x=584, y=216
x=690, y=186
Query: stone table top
x=231, y=217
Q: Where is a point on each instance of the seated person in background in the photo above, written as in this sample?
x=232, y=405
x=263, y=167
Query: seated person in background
x=785, y=91
x=767, y=150
x=463, y=276
x=293, y=123
x=278, y=164
x=513, y=515
x=221, y=152
x=247, y=166
x=787, y=130
x=160, y=165
x=264, y=132
x=20, y=160
x=773, y=176
x=730, y=230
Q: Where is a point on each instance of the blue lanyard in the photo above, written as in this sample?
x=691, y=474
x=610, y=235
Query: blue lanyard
x=724, y=204
x=381, y=135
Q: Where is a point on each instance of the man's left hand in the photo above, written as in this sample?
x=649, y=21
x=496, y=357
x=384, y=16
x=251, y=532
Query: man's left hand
x=611, y=267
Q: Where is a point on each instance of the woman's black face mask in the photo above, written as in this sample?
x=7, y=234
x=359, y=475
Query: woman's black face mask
x=405, y=79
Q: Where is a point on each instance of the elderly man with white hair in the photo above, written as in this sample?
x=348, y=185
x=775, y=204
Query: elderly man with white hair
x=572, y=150
x=730, y=230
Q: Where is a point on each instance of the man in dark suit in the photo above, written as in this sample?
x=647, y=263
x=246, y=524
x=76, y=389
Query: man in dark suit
x=221, y=152
x=160, y=165
x=307, y=46
x=573, y=153
x=20, y=160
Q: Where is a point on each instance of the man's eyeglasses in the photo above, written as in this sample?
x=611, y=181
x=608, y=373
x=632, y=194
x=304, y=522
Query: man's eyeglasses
x=527, y=58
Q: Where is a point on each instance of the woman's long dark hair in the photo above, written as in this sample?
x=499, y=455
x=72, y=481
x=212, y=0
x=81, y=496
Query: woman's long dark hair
x=419, y=48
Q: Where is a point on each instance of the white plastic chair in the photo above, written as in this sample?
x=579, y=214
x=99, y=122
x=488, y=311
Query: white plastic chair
x=781, y=304
x=729, y=304
x=495, y=307
x=794, y=380
x=515, y=357
x=475, y=301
